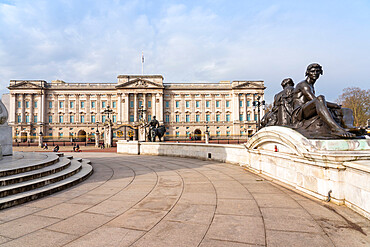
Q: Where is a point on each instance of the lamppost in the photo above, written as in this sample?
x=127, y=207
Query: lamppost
x=257, y=104
x=108, y=111
x=40, y=139
x=97, y=135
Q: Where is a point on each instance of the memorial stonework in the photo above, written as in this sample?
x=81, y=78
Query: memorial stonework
x=5, y=132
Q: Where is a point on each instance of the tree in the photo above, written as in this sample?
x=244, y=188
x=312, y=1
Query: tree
x=358, y=101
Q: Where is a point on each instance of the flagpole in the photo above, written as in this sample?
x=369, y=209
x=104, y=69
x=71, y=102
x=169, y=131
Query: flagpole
x=142, y=63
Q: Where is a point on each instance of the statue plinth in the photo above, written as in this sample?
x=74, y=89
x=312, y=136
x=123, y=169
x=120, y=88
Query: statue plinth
x=6, y=139
x=142, y=133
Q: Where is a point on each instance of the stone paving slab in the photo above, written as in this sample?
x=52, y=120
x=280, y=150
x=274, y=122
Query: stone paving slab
x=133, y=200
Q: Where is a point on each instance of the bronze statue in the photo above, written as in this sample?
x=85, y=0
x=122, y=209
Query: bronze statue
x=155, y=130
x=312, y=116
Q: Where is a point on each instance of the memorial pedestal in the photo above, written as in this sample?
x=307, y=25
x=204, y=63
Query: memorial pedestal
x=6, y=140
x=340, y=168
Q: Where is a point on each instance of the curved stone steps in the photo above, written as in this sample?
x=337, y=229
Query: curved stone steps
x=85, y=171
x=45, y=171
x=12, y=189
x=24, y=162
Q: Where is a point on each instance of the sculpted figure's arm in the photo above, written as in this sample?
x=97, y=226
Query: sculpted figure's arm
x=307, y=91
x=332, y=105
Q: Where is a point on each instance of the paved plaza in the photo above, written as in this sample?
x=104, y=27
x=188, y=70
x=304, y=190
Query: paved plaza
x=167, y=201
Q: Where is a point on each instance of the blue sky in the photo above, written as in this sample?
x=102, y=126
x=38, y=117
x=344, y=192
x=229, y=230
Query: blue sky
x=187, y=41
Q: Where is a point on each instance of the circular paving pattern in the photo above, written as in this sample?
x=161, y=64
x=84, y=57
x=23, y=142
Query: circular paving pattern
x=170, y=201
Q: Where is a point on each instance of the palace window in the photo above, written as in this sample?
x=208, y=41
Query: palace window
x=197, y=103
x=177, y=134
x=27, y=119
x=207, y=117
x=82, y=104
x=149, y=118
x=103, y=118
x=93, y=118
x=150, y=103
x=27, y=104
x=132, y=104
x=114, y=104
x=218, y=103
x=131, y=118
x=187, y=118
x=50, y=104
x=50, y=119
x=227, y=117
x=241, y=133
x=197, y=118
x=227, y=133
x=218, y=133
x=248, y=117
x=104, y=104
x=19, y=104
x=114, y=118
x=92, y=104
x=187, y=103
x=167, y=118
x=227, y=103
x=72, y=104
x=241, y=103
x=82, y=119
x=19, y=119
x=60, y=135
x=71, y=119
x=241, y=117
x=208, y=103
x=61, y=104
x=35, y=118
x=248, y=103
x=177, y=118
x=218, y=118
x=255, y=117
x=60, y=119
x=167, y=104
x=35, y=104
x=177, y=104
x=140, y=103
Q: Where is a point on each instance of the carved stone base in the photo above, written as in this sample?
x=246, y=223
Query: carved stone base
x=6, y=140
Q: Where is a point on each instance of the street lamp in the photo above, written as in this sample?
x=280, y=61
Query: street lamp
x=257, y=104
x=108, y=111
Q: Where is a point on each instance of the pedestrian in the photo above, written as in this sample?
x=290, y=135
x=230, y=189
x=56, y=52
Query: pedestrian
x=56, y=148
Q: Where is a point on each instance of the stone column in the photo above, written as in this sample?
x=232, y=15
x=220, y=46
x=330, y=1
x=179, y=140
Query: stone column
x=88, y=108
x=154, y=105
x=126, y=108
x=23, y=104
x=223, y=107
x=160, y=118
x=119, y=108
x=203, y=107
x=42, y=108
x=192, y=109
x=78, y=108
x=173, y=108
x=135, y=107
x=236, y=109
x=31, y=107
x=98, y=111
x=182, y=108
x=213, y=108
x=13, y=108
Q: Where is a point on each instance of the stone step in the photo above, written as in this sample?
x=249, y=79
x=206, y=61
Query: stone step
x=24, y=162
x=85, y=171
x=34, y=174
x=12, y=189
x=68, y=156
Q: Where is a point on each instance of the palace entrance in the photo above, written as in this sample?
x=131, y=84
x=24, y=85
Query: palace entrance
x=81, y=136
x=197, y=134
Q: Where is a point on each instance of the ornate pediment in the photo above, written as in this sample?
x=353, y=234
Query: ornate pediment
x=249, y=84
x=139, y=83
x=24, y=85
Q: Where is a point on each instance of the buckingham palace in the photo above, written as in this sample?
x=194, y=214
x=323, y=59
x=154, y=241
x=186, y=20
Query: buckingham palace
x=62, y=110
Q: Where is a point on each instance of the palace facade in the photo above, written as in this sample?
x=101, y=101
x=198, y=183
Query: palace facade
x=61, y=110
